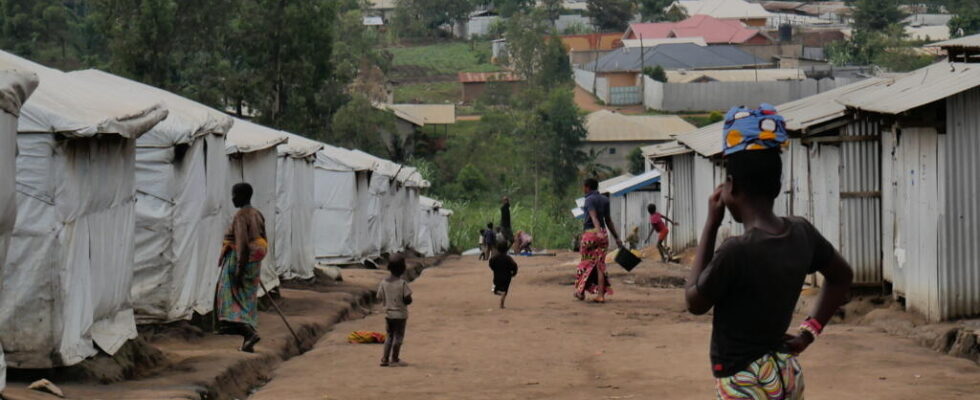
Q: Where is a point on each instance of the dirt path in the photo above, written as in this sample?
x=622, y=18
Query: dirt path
x=587, y=102
x=642, y=344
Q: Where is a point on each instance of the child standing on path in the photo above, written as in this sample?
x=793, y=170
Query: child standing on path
x=395, y=296
x=753, y=281
x=504, y=269
x=483, y=245
x=657, y=224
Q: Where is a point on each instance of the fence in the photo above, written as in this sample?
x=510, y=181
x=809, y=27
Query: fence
x=675, y=97
x=597, y=86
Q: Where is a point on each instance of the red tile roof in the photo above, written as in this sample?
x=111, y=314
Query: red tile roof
x=713, y=30
x=476, y=77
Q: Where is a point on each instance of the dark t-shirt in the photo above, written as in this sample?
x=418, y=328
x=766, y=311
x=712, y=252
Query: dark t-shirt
x=489, y=238
x=599, y=203
x=505, y=216
x=503, y=266
x=754, y=281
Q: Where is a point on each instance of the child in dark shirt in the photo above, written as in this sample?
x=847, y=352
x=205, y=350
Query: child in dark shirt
x=753, y=281
x=504, y=269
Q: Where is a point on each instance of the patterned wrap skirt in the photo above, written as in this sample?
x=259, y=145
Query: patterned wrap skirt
x=593, y=250
x=775, y=376
x=236, y=299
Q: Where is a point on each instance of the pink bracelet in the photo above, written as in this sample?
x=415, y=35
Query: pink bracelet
x=813, y=326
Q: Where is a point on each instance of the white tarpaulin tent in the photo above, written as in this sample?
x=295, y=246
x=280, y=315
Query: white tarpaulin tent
x=15, y=88
x=295, y=207
x=441, y=235
x=68, y=273
x=178, y=204
x=338, y=176
x=428, y=210
x=253, y=158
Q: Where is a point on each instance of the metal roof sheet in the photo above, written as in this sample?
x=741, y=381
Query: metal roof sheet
x=430, y=113
x=965, y=41
x=656, y=42
x=479, y=77
x=916, y=89
x=714, y=30
x=723, y=8
x=737, y=75
x=671, y=148
x=608, y=126
x=800, y=115
x=676, y=56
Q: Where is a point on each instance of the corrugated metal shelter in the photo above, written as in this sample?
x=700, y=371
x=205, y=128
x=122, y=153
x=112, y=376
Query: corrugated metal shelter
x=69, y=268
x=676, y=56
x=930, y=216
x=295, y=203
x=178, y=204
x=608, y=126
x=15, y=88
x=253, y=157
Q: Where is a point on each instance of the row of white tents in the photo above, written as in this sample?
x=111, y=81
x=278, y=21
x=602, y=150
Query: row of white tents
x=114, y=197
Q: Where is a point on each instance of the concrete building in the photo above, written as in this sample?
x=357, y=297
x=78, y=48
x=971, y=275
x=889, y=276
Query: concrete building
x=476, y=83
x=614, y=136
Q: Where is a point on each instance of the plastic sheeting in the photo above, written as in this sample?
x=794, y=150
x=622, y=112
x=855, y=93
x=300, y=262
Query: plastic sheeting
x=178, y=213
x=253, y=159
x=295, y=204
x=15, y=88
x=68, y=270
x=335, y=202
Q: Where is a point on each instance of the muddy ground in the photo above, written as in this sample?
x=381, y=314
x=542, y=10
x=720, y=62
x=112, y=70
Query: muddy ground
x=639, y=345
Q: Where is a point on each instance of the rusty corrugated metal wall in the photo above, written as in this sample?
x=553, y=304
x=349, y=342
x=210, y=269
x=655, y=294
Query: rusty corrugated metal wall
x=959, y=266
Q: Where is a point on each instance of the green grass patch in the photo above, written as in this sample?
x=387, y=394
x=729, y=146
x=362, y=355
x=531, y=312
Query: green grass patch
x=446, y=58
x=429, y=93
x=550, y=231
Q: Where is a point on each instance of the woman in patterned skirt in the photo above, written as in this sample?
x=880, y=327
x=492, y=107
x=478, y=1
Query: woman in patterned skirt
x=244, y=247
x=595, y=242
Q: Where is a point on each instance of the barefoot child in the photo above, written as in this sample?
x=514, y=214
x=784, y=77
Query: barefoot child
x=657, y=225
x=395, y=296
x=753, y=281
x=504, y=269
x=483, y=246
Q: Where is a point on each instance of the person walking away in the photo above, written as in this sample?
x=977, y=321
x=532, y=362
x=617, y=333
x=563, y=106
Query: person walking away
x=505, y=225
x=245, y=245
x=504, y=270
x=753, y=281
x=483, y=246
x=591, y=271
x=395, y=296
x=657, y=225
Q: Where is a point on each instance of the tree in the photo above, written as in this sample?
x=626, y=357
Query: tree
x=535, y=53
x=472, y=181
x=592, y=168
x=426, y=18
x=559, y=131
x=656, y=73
x=654, y=10
x=965, y=23
x=358, y=124
x=611, y=15
x=876, y=15
x=637, y=162
x=552, y=9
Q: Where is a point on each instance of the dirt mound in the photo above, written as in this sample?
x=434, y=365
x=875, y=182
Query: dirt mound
x=135, y=359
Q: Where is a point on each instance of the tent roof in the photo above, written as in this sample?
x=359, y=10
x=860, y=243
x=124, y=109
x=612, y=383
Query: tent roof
x=298, y=146
x=381, y=166
x=427, y=203
x=972, y=41
x=62, y=104
x=608, y=126
x=248, y=137
x=354, y=161
x=15, y=88
x=187, y=119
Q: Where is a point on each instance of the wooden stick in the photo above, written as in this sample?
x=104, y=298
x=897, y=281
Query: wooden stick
x=278, y=310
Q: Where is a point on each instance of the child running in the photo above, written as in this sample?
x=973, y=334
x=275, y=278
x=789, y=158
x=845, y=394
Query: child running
x=753, y=281
x=395, y=296
x=657, y=225
x=504, y=269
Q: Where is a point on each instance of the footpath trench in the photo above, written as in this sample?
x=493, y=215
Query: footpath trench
x=182, y=362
